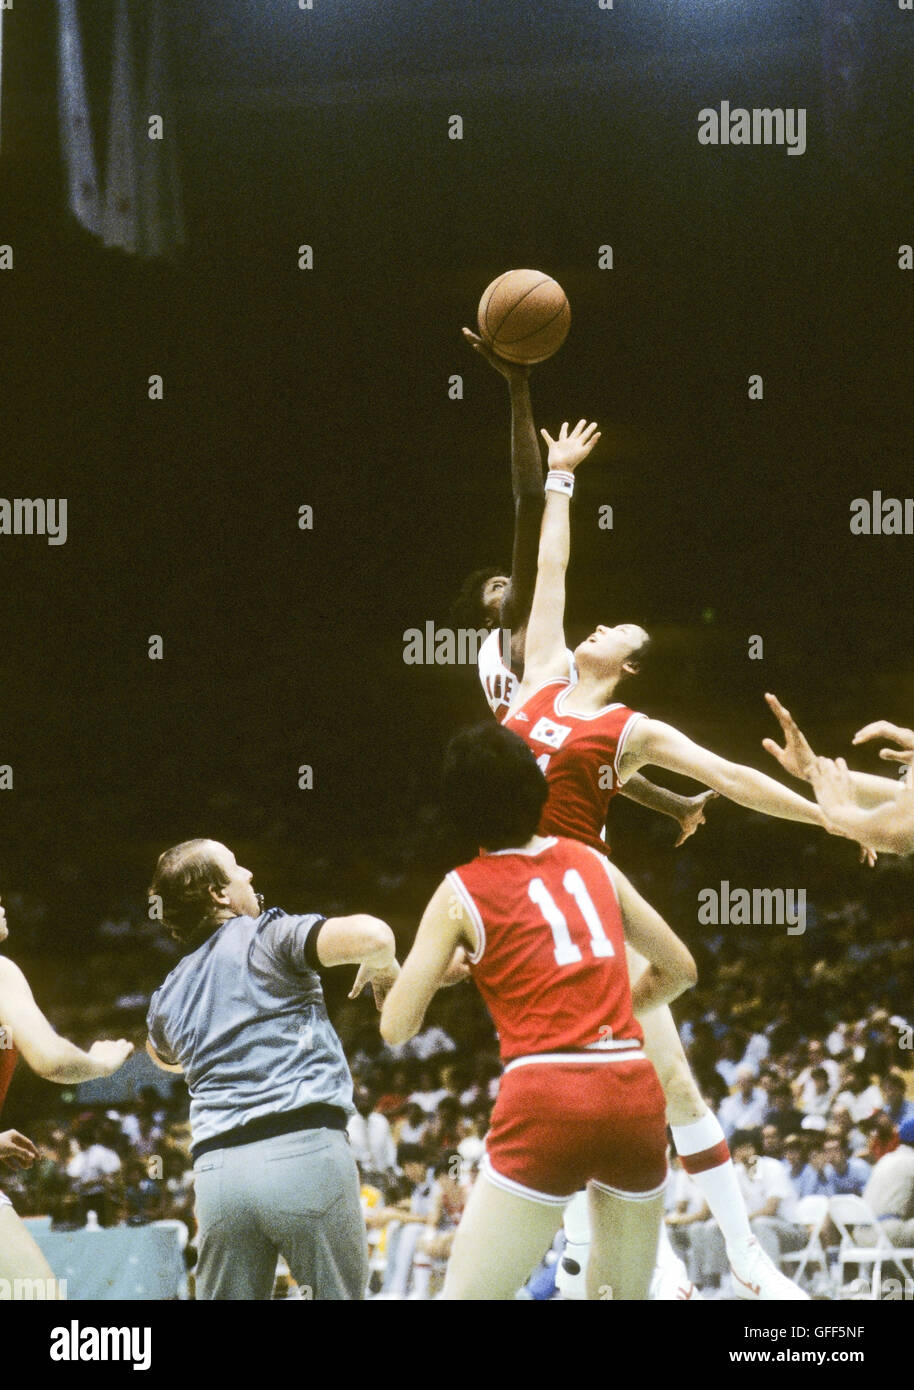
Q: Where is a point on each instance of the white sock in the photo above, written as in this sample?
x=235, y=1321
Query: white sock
x=576, y=1220
x=422, y=1275
x=668, y=1262
x=703, y=1151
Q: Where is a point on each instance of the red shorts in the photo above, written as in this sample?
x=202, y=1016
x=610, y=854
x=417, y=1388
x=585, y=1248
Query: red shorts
x=558, y=1125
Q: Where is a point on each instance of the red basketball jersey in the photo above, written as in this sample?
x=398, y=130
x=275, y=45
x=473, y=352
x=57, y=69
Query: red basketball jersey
x=579, y=754
x=7, y=1067
x=551, y=958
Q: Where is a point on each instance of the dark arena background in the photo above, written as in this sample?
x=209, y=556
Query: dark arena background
x=277, y=713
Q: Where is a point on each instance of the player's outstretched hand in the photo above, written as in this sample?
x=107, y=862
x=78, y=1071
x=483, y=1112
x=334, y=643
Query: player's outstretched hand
x=694, y=816
x=572, y=448
x=380, y=979
x=111, y=1055
x=883, y=729
x=15, y=1150
x=796, y=757
x=831, y=782
x=511, y=371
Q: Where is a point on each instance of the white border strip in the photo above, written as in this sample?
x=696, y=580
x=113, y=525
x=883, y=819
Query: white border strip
x=632, y=1196
x=632, y=1054
x=509, y=1185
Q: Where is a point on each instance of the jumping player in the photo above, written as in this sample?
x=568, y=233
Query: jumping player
x=588, y=744
x=25, y=1032
x=544, y=921
x=502, y=604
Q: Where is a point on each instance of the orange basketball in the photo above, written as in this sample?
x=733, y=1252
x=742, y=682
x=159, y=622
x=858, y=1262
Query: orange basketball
x=524, y=316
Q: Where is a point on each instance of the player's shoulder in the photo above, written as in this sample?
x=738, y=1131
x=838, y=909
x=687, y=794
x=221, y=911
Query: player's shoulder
x=490, y=650
x=275, y=928
x=11, y=977
x=538, y=690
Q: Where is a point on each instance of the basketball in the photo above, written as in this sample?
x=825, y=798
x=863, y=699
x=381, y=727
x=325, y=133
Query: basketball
x=524, y=316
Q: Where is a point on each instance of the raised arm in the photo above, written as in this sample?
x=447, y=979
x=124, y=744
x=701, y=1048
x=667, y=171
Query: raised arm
x=652, y=741
x=444, y=930
x=48, y=1054
x=545, y=648
x=527, y=489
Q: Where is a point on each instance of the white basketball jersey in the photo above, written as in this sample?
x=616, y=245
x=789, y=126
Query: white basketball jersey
x=499, y=682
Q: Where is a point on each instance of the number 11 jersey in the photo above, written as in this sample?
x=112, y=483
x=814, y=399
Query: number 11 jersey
x=550, y=958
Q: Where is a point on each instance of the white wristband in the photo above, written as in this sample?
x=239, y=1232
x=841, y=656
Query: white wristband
x=558, y=480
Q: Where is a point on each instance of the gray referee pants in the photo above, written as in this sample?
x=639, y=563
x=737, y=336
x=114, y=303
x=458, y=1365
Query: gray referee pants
x=296, y=1195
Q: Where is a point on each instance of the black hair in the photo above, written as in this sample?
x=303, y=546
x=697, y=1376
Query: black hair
x=643, y=660
x=492, y=788
x=411, y=1153
x=745, y=1136
x=467, y=610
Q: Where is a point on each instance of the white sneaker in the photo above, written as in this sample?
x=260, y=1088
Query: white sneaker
x=570, y=1273
x=667, y=1286
x=756, y=1276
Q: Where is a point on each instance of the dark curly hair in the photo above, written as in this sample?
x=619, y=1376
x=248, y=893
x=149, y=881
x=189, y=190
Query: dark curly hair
x=492, y=788
x=467, y=610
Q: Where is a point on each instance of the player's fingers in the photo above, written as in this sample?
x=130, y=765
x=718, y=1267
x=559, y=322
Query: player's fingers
x=894, y=755
x=771, y=747
x=22, y=1141
x=579, y=427
x=778, y=709
x=471, y=337
x=548, y=437
x=881, y=728
x=563, y=432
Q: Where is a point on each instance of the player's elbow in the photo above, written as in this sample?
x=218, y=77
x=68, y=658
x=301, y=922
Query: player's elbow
x=689, y=971
x=377, y=941
x=682, y=974
x=356, y=940
x=51, y=1065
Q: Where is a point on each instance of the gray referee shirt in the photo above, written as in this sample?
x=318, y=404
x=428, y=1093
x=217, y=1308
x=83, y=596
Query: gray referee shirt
x=244, y=1016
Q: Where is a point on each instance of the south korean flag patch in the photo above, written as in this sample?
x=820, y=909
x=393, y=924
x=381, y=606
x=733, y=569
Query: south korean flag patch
x=548, y=732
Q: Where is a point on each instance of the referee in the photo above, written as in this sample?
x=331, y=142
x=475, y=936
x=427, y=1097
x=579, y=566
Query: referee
x=242, y=1015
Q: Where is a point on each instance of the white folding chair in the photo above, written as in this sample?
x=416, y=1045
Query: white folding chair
x=811, y=1212
x=856, y=1220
